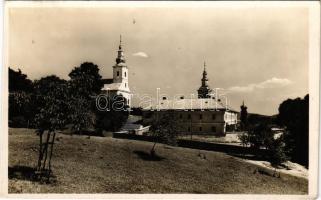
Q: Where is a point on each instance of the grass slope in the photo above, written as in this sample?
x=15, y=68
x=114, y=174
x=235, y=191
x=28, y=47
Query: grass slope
x=108, y=165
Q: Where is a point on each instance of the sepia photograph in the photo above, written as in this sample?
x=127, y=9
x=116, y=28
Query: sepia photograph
x=162, y=98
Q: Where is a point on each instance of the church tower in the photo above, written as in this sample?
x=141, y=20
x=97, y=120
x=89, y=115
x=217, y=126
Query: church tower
x=120, y=69
x=204, y=90
x=118, y=85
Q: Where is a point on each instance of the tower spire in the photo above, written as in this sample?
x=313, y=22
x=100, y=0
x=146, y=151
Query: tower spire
x=120, y=57
x=204, y=90
x=120, y=42
x=204, y=78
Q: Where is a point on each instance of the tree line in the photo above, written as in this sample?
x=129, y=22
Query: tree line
x=51, y=103
x=292, y=144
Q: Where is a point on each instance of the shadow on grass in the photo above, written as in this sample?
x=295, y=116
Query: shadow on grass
x=146, y=156
x=27, y=173
x=22, y=173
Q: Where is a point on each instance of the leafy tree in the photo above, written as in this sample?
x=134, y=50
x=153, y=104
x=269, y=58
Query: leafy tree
x=19, y=81
x=86, y=80
x=81, y=115
x=21, y=109
x=259, y=135
x=164, y=128
x=277, y=152
x=113, y=118
x=52, y=115
x=20, y=99
x=85, y=83
x=47, y=85
x=294, y=115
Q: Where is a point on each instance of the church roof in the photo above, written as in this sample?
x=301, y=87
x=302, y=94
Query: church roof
x=107, y=80
x=112, y=86
x=189, y=104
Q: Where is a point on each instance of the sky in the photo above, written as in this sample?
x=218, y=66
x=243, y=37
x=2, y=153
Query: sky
x=258, y=55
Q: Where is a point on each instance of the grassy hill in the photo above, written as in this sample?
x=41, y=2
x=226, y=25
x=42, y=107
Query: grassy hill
x=108, y=165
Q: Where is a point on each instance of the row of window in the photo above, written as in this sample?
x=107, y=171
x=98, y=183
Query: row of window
x=200, y=116
x=201, y=129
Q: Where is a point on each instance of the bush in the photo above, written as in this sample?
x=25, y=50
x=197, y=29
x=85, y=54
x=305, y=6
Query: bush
x=261, y=136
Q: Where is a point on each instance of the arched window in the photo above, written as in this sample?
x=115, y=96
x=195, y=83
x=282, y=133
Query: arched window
x=125, y=74
x=117, y=73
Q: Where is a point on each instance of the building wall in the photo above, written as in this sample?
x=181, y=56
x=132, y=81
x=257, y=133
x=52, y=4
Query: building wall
x=198, y=122
x=120, y=74
x=112, y=93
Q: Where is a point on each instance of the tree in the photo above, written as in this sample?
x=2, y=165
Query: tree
x=52, y=115
x=113, y=118
x=165, y=129
x=85, y=83
x=261, y=136
x=294, y=115
x=81, y=115
x=277, y=152
x=243, y=117
x=19, y=81
x=21, y=107
x=86, y=80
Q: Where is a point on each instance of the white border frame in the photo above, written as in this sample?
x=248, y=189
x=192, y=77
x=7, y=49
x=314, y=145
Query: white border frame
x=314, y=78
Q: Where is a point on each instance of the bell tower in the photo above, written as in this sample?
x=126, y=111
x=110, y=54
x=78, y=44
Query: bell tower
x=120, y=69
x=120, y=75
x=204, y=90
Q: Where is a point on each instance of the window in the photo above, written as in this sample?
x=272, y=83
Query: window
x=128, y=101
x=125, y=85
x=200, y=128
x=213, y=116
x=201, y=116
x=125, y=74
x=189, y=129
x=189, y=116
x=117, y=73
x=180, y=116
x=214, y=129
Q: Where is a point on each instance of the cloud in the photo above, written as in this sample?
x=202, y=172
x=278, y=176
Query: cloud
x=270, y=83
x=140, y=54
